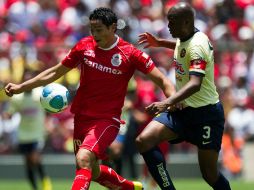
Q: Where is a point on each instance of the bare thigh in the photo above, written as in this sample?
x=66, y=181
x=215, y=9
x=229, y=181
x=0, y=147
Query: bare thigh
x=153, y=134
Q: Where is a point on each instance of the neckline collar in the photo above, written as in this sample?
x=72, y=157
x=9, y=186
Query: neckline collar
x=113, y=45
x=190, y=36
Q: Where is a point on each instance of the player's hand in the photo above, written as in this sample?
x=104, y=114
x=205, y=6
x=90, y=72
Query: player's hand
x=177, y=106
x=157, y=107
x=11, y=89
x=148, y=39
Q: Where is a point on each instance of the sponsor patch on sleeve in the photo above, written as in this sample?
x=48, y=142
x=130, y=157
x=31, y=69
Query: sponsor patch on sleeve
x=198, y=65
x=145, y=55
x=149, y=63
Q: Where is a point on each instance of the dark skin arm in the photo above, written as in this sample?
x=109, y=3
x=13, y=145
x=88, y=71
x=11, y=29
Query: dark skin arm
x=186, y=91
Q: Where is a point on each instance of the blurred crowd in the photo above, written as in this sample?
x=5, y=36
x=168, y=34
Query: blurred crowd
x=37, y=34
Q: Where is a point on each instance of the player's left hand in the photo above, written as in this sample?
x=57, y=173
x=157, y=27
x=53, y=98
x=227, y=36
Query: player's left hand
x=157, y=107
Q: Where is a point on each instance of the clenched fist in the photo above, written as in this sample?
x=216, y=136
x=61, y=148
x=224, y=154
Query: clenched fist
x=11, y=89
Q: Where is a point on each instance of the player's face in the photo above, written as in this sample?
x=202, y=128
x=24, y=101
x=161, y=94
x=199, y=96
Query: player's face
x=175, y=26
x=103, y=35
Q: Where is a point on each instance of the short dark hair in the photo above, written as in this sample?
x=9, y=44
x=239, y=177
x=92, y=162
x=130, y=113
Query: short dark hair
x=106, y=15
x=181, y=10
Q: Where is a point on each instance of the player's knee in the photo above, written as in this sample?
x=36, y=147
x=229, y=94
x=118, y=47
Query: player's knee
x=85, y=159
x=141, y=144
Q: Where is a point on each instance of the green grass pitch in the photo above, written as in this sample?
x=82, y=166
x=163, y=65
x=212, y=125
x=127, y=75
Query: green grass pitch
x=190, y=184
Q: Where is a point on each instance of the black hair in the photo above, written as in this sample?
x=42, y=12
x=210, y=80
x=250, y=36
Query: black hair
x=106, y=15
x=182, y=10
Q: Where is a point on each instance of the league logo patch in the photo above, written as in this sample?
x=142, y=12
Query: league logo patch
x=116, y=60
x=183, y=52
x=149, y=63
x=196, y=63
x=89, y=53
x=145, y=55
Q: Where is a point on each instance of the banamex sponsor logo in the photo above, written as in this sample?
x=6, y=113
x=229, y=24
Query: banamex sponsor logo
x=102, y=68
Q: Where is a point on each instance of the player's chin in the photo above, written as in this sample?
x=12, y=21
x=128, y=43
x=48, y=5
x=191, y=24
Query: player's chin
x=100, y=43
x=173, y=35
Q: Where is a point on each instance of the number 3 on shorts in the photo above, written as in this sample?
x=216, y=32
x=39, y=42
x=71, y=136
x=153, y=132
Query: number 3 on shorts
x=207, y=132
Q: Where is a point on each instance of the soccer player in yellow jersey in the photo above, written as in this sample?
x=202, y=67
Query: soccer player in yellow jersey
x=31, y=134
x=194, y=113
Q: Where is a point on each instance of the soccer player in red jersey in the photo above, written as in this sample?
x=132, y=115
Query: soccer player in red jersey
x=106, y=64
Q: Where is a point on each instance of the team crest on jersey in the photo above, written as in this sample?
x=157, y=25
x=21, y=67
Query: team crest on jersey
x=183, y=53
x=116, y=60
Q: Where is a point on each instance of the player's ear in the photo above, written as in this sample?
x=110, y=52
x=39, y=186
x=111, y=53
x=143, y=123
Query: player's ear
x=114, y=27
x=186, y=21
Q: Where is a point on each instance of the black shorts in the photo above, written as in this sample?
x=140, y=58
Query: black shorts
x=26, y=148
x=201, y=126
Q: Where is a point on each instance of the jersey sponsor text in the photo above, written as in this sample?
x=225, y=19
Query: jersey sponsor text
x=102, y=68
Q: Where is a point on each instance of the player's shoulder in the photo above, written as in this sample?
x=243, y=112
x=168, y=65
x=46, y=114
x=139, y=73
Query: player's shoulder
x=128, y=49
x=199, y=37
x=87, y=39
x=125, y=45
x=85, y=43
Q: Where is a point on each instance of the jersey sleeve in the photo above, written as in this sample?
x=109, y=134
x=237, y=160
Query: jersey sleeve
x=142, y=61
x=72, y=59
x=197, y=61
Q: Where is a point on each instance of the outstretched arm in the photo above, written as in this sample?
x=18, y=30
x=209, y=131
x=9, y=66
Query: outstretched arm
x=44, y=78
x=152, y=41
